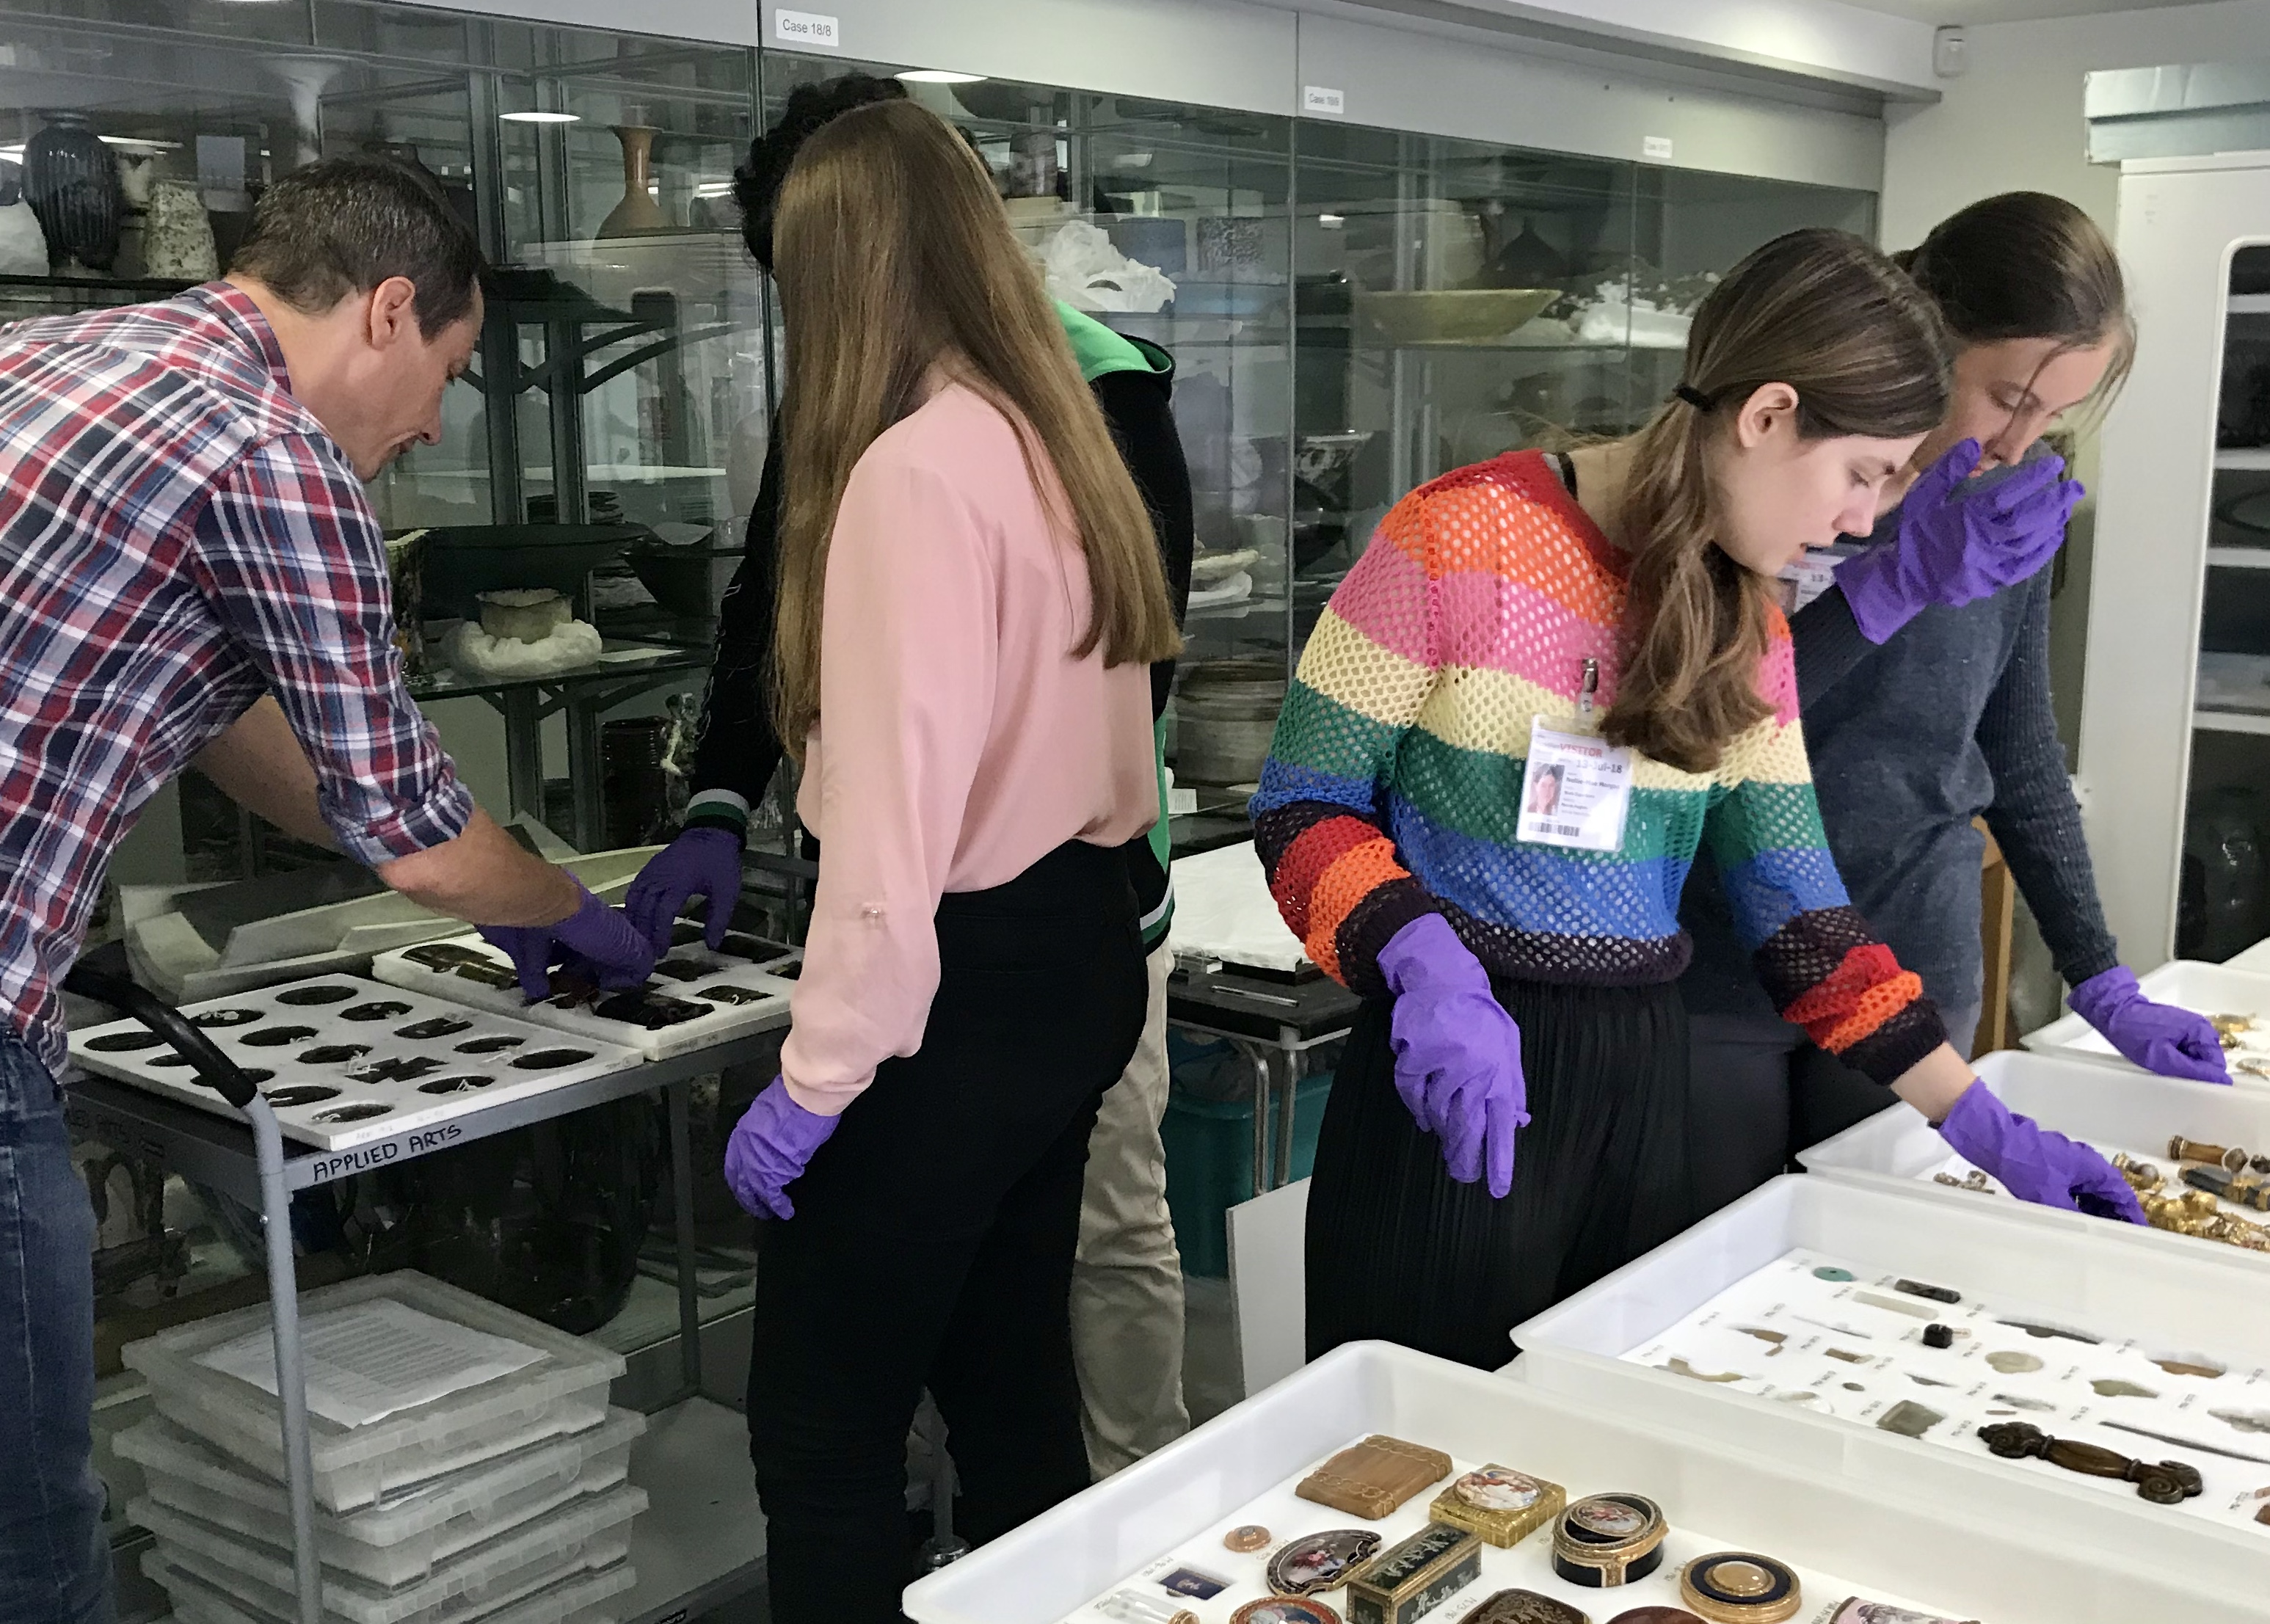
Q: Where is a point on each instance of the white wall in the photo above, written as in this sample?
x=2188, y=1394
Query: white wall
x=2014, y=123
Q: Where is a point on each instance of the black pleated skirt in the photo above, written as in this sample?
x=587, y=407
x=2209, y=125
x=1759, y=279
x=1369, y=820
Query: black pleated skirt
x=1396, y=1251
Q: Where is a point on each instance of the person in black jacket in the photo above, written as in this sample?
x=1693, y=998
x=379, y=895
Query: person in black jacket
x=1127, y=1291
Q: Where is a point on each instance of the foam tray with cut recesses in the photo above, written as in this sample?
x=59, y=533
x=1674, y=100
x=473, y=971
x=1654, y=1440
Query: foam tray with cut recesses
x=1952, y=1542
x=737, y=993
x=2190, y=1306
x=2109, y=1109
x=344, y=1061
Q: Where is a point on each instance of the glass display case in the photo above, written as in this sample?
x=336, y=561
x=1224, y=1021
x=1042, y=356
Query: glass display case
x=1170, y=223
x=1457, y=300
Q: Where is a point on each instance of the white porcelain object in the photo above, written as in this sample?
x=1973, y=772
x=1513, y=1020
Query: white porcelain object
x=23, y=245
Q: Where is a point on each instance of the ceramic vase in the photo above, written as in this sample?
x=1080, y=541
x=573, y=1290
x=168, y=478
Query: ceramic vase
x=638, y=213
x=71, y=182
x=178, y=241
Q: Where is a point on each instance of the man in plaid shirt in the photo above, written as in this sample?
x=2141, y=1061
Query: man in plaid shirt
x=189, y=574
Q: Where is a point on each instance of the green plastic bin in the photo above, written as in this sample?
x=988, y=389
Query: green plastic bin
x=1210, y=1164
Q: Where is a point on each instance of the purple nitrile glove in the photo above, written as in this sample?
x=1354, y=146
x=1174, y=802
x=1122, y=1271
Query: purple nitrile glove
x=1959, y=542
x=771, y=1145
x=593, y=933
x=2033, y=1163
x=1458, y=1053
x=701, y=862
x=2159, y=1037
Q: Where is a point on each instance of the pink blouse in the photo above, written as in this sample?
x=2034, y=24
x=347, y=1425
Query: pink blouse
x=959, y=742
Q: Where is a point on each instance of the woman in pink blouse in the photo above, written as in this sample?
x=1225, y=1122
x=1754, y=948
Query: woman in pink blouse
x=970, y=599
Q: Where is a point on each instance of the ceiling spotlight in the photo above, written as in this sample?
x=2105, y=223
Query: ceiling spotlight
x=537, y=117
x=940, y=76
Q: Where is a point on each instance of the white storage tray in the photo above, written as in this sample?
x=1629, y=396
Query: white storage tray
x=589, y=1536
x=472, y=1061
x=565, y=1391
x=2208, y=989
x=2190, y=1302
x=401, y=1539
x=2111, y=1109
x=1945, y=1543
x=584, y=1597
x=771, y=983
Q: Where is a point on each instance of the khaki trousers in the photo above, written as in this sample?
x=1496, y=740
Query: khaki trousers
x=1127, y=1277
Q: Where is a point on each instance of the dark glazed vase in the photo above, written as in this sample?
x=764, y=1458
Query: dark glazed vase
x=71, y=182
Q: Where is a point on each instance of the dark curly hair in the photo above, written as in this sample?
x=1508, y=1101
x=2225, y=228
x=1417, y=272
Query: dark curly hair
x=757, y=183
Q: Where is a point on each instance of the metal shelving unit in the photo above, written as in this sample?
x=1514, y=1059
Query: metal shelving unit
x=250, y=1161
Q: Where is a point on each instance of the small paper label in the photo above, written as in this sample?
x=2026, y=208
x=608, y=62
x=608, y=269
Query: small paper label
x=807, y=28
x=1574, y=791
x=1655, y=148
x=1325, y=100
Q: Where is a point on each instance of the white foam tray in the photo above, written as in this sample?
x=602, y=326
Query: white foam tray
x=1943, y=1541
x=2111, y=1109
x=589, y=1536
x=2208, y=989
x=729, y=1021
x=403, y=1538
x=354, y=1110
x=564, y=1392
x=585, y=1597
x=2189, y=1302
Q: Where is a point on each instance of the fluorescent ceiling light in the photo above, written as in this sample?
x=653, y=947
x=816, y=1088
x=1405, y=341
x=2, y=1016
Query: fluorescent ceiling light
x=714, y=188
x=940, y=76
x=136, y=144
x=1332, y=222
x=535, y=116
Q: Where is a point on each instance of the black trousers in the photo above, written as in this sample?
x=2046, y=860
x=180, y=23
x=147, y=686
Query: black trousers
x=1398, y=1252
x=932, y=1246
x=1760, y=1091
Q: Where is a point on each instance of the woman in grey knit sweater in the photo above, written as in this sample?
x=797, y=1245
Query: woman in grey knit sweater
x=1923, y=676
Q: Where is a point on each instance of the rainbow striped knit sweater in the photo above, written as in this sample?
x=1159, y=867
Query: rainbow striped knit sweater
x=1394, y=780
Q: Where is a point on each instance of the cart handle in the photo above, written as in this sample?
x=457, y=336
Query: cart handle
x=217, y=1070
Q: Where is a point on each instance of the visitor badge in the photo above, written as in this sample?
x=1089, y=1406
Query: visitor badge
x=1575, y=791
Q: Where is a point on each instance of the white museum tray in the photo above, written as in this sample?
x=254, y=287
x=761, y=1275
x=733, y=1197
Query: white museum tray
x=403, y=1538
x=445, y=1059
x=2187, y=1305
x=588, y=1595
x=759, y=973
x=1944, y=1542
x=2112, y=1109
x=2209, y=989
x=593, y=1535
x=562, y=1391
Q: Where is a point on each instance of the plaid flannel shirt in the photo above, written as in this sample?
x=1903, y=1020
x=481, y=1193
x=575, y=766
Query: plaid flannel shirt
x=178, y=536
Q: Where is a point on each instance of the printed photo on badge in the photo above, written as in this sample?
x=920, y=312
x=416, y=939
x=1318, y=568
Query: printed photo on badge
x=1544, y=793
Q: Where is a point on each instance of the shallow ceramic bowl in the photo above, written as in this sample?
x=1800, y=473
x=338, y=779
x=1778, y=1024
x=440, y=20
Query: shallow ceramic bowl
x=1453, y=315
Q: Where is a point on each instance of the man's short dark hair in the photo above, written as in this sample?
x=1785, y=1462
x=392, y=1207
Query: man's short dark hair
x=345, y=225
x=757, y=183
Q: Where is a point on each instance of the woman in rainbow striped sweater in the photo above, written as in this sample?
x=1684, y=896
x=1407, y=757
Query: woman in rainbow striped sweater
x=1604, y=620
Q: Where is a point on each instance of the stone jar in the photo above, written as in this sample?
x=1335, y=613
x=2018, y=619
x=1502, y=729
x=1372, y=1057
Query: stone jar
x=178, y=241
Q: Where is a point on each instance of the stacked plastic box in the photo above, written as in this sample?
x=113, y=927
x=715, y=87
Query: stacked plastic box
x=505, y=1501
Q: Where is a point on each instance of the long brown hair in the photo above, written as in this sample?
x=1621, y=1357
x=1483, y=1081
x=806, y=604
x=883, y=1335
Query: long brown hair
x=2029, y=265
x=1825, y=314
x=893, y=253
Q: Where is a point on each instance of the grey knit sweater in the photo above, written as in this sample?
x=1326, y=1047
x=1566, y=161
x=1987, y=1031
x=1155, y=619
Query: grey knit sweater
x=1909, y=741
